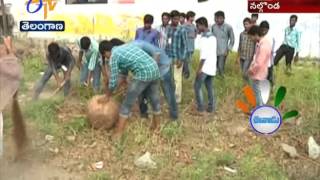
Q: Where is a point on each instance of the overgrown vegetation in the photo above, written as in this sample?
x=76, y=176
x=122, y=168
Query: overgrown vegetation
x=180, y=141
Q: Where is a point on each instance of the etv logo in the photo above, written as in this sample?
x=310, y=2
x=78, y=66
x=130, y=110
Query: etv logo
x=265, y=119
x=34, y=6
x=48, y=5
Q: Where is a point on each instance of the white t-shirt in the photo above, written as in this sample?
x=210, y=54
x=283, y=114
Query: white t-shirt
x=208, y=53
x=273, y=53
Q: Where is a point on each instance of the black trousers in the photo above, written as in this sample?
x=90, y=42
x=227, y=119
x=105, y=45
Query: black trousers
x=286, y=51
x=270, y=76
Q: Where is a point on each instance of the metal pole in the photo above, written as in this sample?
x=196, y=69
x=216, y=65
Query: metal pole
x=4, y=18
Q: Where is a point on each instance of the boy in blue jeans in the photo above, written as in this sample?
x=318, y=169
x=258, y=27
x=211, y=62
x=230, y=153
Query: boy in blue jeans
x=89, y=63
x=145, y=71
x=207, y=67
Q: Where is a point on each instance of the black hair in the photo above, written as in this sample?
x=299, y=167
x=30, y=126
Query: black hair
x=148, y=19
x=183, y=15
x=190, y=14
x=255, y=15
x=219, y=14
x=165, y=14
x=105, y=46
x=202, y=21
x=246, y=20
x=85, y=42
x=174, y=13
x=53, y=49
x=116, y=42
x=294, y=16
x=264, y=24
x=254, y=30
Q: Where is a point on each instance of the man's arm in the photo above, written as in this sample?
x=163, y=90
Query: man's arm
x=71, y=61
x=137, y=35
x=54, y=70
x=105, y=71
x=298, y=43
x=231, y=38
x=239, y=49
x=79, y=61
x=263, y=55
x=114, y=72
x=92, y=65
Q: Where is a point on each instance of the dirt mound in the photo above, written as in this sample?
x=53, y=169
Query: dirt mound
x=102, y=114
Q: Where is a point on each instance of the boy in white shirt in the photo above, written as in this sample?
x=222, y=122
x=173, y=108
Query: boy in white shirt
x=207, y=66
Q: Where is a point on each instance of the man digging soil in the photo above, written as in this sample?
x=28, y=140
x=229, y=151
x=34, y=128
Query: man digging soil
x=129, y=58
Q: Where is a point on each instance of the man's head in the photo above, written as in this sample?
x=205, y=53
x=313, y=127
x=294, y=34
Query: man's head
x=116, y=42
x=219, y=17
x=148, y=21
x=255, y=33
x=190, y=16
x=202, y=24
x=53, y=50
x=165, y=17
x=85, y=43
x=247, y=24
x=254, y=18
x=264, y=27
x=175, y=17
x=182, y=18
x=293, y=20
x=105, y=48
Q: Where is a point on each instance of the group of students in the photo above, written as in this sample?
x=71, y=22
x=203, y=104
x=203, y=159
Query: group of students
x=160, y=57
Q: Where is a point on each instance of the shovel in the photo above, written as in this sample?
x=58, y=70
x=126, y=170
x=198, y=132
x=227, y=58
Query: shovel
x=58, y=89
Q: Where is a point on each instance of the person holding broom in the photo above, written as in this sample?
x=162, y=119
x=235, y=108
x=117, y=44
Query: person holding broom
x=59, y=58
x=130, y=58
x=10, y=76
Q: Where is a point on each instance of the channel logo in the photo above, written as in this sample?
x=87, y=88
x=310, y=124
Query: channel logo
x=265, y=119
x=35, y=6
x=42, y=26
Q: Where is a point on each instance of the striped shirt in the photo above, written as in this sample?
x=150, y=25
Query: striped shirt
x=246, y=46
x=163, y=31
x=191, y=30
x=129, y=57
x=292, y=38
x=177, y=43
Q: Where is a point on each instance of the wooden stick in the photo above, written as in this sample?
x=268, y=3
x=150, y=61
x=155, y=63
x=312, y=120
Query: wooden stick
x=58, y=89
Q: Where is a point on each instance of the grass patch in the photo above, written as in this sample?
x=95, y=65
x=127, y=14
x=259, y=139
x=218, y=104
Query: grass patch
x=77, y=125
x=172, y=131
x=256, y=165
x=99, y=176
x=206, y=166
x=121, y=145
x=43, y=114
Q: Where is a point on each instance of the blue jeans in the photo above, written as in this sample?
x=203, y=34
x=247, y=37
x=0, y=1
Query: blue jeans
x=186, y=65
x=43, y=81
x=245, y=64
x=257, y=90
x=207, y=80
x=168, y=88
x=96, y=76
x=136, y=88
x=221, y=61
